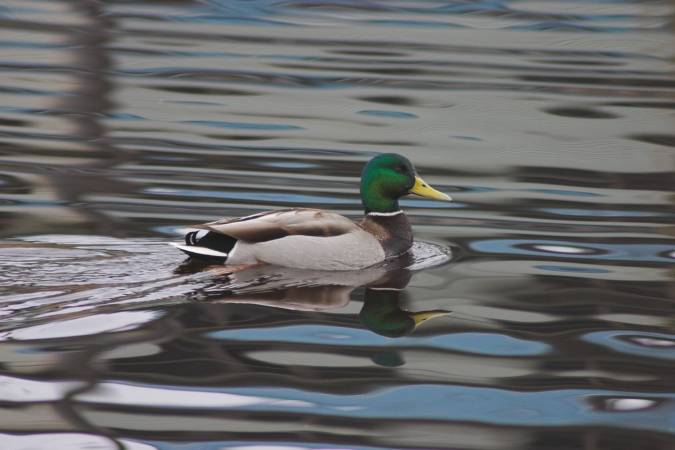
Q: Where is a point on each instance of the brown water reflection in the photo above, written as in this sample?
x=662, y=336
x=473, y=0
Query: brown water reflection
x=550, y=122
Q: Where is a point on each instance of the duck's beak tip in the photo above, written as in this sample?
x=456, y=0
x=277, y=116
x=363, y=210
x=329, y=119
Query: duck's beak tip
x=422, y=316
x=422, y=189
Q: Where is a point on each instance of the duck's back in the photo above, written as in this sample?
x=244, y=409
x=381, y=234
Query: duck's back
x=272, y=225
x=303, y=238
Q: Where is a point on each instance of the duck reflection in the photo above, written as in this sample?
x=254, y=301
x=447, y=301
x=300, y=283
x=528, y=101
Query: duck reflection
x=382, y=313
x=319, y=291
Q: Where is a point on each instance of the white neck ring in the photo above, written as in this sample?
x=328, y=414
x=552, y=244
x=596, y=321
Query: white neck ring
x=385, y=214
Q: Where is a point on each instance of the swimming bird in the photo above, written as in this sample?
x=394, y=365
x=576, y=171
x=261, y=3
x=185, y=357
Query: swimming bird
x=308, y=238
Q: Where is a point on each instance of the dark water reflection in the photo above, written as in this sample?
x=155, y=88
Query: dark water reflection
x=550, y=123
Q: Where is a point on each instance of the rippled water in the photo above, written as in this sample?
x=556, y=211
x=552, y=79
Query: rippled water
x=547, y=286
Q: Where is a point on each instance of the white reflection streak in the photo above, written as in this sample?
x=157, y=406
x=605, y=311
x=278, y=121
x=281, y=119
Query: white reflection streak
x=133, y=445
x=629, y=404
x=561, y=249
x=276, y=447
x=653, y=342
x=83, y=326
x=124, y=394
x=20, y=390
x=52, y=441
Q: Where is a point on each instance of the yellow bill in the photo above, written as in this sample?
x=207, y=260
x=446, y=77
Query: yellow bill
x=423, y=316
x=422, y=189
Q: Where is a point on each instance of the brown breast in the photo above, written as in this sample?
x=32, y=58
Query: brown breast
x=393, y=232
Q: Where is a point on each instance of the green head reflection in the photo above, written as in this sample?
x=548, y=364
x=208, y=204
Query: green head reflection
x=382, y=313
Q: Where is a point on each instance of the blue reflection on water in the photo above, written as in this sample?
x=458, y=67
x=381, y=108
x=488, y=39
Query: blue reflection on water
x=288, y=164
x=289, y=197
x=389, y=114
x=480, y=343
x=597, y=251
x=627, y=342
x=568, y=27
x=416, y=23
x=561, y=407
x=126, y=116
x=426, y=203
x=600, y=212
x=578, y=269
x=249, y=445
x=469, y=138
x=275, y=197
x=569, y=192
x=31, y=45
x=243, y=125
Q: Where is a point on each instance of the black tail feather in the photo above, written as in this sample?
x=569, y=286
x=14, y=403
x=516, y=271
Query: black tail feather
x=212, y=240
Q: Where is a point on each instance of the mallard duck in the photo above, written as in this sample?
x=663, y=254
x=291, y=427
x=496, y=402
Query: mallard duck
x=307, y=238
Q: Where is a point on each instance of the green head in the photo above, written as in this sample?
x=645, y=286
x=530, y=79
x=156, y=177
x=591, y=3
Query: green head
x=388, y=177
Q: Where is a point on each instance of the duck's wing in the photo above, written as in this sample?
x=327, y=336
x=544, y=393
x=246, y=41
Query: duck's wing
x=272, y=225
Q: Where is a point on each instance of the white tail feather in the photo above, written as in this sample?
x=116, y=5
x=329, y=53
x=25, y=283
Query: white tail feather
x=193, y=249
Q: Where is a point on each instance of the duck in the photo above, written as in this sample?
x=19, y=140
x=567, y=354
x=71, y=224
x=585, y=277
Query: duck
x=310, y=238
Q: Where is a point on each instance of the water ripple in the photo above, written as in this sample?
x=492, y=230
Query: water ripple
x=534, y=312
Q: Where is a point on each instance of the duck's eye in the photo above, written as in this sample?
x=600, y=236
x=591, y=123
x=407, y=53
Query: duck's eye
x=400, y=169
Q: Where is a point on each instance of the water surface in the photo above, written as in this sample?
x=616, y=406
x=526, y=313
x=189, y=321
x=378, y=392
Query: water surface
x=544, y=293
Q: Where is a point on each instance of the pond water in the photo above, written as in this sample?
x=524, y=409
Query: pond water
x=535, y=312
